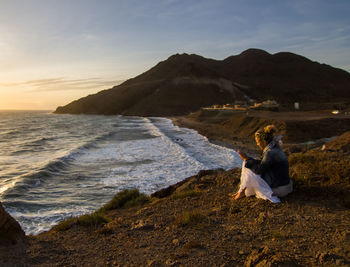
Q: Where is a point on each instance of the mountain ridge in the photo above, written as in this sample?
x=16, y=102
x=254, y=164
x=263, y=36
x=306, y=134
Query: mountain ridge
x=186, y=82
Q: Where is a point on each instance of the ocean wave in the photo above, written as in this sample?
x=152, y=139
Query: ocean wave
x=197, y=146
x=37, y=222
x=56, y=167
x=91, y=158
x=175, y=146
x=20, y=185
x=9, y=134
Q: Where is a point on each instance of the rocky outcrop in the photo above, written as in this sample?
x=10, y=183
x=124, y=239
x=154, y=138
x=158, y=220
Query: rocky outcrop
x=12, y=241
x=10, y=230
x=186, y=184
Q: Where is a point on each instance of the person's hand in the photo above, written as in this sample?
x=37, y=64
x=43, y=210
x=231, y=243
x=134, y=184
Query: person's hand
x=242, y=155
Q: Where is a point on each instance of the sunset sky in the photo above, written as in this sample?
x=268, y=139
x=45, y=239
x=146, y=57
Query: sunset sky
x=55, y=51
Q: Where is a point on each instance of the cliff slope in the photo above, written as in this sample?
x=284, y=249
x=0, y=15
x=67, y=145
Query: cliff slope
x=197, y=223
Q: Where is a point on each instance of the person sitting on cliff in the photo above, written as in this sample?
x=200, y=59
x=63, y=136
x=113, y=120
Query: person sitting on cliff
x=267, y=178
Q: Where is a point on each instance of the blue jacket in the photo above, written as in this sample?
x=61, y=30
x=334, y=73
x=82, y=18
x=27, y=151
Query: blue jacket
x=273, y=167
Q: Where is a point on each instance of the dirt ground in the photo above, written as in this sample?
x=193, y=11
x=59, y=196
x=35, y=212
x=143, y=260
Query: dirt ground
x=306, y=229
x=197, y=223
x=235, y=129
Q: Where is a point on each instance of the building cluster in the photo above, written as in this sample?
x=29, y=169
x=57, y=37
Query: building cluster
x=241, y=105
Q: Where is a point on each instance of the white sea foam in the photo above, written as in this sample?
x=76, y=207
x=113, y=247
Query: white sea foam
x=91, y=158
x=172, y=155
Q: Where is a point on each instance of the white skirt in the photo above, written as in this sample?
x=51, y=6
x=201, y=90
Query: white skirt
x=254, y=185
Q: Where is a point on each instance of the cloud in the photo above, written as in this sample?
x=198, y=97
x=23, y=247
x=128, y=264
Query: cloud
x=63, y=84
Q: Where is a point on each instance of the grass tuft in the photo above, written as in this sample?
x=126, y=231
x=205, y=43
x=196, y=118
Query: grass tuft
x=88, y=220
x=193, y=218
x=126, y=198
x=94, y=219
x=65, y=224
x=186, y=194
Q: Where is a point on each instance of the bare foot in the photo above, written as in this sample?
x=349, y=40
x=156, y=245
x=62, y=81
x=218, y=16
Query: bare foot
x=238, y=195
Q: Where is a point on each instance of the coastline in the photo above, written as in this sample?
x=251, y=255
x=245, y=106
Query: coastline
x=196, y=223
x=301, y=130
x=172, y=166
x=218, y=137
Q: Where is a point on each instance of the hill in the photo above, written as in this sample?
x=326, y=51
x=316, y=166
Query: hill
x=185, y=83
x=196, y=223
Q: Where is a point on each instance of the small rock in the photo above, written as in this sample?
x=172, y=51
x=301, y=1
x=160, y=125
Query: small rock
x=176, y=242
x=10, y=230
x=241, y=252
x=140, y=225
x=170, y=262
x=339, y=262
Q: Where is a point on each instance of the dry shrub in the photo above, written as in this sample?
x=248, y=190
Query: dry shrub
x=320, y=167
x=191, y=218
x=186, y=194
x=105, y=231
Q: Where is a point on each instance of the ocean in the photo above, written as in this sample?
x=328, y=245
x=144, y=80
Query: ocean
x=56, y=166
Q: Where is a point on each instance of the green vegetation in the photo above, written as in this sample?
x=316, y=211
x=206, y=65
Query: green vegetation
x=89, y=220
x=193, y=218
x=65, y=224
x=94, y=219
x=124, y=199
x=186, y=194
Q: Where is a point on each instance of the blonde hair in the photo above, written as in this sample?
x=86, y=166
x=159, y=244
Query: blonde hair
x=267, y=133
